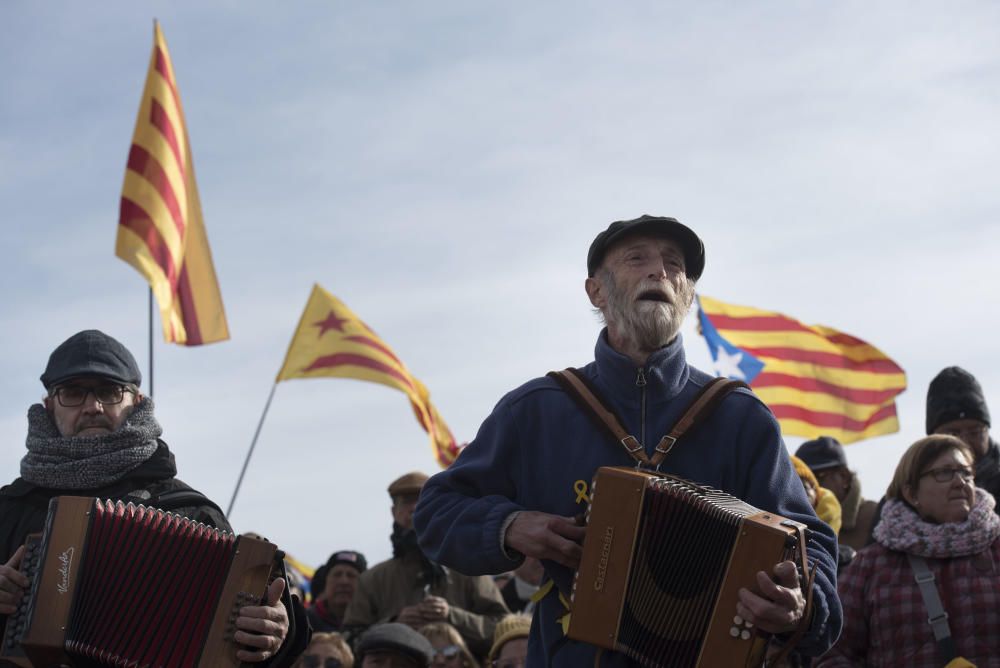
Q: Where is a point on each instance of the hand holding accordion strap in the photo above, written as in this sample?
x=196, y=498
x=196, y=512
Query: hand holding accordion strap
x=577, y=386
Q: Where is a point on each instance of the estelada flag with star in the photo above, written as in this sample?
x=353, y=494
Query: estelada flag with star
x=160, y=228
x=331, y=341
x=815, y=379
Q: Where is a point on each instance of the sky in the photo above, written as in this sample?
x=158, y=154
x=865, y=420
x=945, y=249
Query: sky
x=442, y=168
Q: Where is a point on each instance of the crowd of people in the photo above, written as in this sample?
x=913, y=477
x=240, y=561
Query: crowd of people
x=484, y=553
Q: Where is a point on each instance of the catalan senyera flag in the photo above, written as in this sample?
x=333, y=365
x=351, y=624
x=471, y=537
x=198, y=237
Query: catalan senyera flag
x=160, y=228
x=331, y=341
x=815, y=379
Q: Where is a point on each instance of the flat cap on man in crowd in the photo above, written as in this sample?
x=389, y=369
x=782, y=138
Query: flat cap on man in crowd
x=955, y=394
x=395, y=637
x=825, y=452
x=654, y=226
x=409, y=483
x=91, y=353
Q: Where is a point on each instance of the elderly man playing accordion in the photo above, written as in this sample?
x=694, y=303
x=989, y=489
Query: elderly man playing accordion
x=515, y=490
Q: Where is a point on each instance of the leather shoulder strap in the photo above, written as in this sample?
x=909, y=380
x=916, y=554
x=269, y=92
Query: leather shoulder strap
x=704, y=403
x=575, y=385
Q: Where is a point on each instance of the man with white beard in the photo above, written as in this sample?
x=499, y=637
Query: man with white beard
x=517, y=489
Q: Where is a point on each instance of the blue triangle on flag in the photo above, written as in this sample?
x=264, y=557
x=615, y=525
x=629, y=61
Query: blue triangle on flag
x=727, y=359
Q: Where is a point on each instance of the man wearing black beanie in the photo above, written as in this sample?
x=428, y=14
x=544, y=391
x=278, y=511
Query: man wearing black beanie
x=956, y=406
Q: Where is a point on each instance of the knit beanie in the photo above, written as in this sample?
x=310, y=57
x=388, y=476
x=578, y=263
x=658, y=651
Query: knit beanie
x=509, y=628
x=955, y=394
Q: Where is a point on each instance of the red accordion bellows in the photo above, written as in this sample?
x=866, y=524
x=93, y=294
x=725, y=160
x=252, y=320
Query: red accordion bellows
x=124, y=585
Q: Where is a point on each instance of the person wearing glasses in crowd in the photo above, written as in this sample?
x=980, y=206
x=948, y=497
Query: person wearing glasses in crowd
x=95, y=434
x=326, y=650
x=510, y=642
x=450, y=651
x=937, y=525
x=956, y=406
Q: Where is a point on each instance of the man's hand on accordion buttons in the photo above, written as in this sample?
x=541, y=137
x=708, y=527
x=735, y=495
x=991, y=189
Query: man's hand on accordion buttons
x=545, y=536
x=12, y=583
x=262, y=628
x=779, y=606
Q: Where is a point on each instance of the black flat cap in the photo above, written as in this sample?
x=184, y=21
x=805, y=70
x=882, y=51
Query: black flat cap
x=91, y=353
x=395, y=637
x=655, y=226
x=825, y=452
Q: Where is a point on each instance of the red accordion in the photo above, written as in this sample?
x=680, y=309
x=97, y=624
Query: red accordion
x=125, y=585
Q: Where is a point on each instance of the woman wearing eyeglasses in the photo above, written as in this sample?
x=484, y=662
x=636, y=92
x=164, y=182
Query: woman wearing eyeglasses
x=450, y=650
x=326, y=650
x=935, y=522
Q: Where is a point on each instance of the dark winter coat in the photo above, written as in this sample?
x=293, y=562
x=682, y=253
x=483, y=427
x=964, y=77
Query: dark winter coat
x=538, y=450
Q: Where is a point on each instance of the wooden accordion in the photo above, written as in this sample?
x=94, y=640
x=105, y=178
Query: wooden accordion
x=663, y=560
x=116, y=584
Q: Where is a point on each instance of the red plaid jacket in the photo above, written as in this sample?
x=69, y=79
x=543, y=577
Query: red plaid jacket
x=885, y=620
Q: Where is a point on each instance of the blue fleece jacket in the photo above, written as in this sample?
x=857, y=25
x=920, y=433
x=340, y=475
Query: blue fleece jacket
x=538, y=449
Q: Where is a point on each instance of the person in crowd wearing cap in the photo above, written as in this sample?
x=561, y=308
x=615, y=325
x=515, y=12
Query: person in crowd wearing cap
x=517, y=488
x=393, y=645
x=826, y=458
x=956, y=406
x=95, y=434
x=340, y=581
x=510, y=643
x=411, y=589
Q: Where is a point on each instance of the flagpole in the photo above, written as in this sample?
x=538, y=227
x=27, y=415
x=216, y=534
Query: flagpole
x=253, y=444
x=150, y=342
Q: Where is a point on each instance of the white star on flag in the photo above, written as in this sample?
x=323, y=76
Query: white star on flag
x=727, y=365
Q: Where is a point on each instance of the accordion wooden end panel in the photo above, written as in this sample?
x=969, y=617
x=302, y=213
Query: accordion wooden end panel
x=663, y=560
x=121, y=584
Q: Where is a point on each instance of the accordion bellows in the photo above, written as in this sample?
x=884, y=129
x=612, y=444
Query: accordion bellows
x=115, y=584
x=663, y=561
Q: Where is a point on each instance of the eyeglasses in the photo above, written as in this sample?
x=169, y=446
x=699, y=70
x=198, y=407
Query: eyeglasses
x=71, y=396
x=314, y=661
x=448, y=651
x=510, y=663
x=946, y=473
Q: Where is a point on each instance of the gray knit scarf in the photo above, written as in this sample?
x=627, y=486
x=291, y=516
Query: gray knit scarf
x=87, y=462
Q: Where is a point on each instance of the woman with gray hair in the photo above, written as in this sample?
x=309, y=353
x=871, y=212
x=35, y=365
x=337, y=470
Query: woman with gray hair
x=927, y=592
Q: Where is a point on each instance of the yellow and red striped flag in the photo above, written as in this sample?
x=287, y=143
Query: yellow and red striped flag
x=331, y=341
x=160, y=228
x=815, y=379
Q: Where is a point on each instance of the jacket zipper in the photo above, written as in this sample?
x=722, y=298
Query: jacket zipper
x=640, y=381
